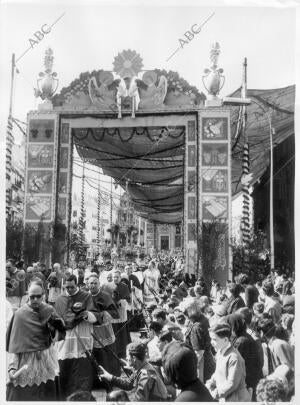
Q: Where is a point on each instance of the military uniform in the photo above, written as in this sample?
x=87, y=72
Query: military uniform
x=145, y=385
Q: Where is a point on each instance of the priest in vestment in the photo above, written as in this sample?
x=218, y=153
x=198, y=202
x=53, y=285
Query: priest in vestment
x=30, y=347
x=103, y=330
x=79, y=313
x=121, y=297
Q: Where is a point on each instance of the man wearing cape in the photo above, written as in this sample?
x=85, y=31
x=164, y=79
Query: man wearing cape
x=32, y=360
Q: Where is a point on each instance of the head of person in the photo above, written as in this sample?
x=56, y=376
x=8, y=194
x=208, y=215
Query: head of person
x=220, y=335
x=136, y=354
x=234, y=289
x=246, y=314
x=163, y=340
x=237, y=324
x=81, y=396
x=268, y=288
x=170, y=307
x=29, y=271
x=71, y=284
x=56, y=267
x=152, y=308
x=155, y=328
x=266, y=327
x=258, y=308
x=35, y=295
x=35, y=268
x=179, y=364
x=109, y=277
x=10, y=266
x=287, y=322
x=180, y=318
x=203, y=302
x=117, y=396
x=194, y=313
x=244, y=279
x=152, y=265
x=270, y=390
x=159, y=315
x=43, y=268
x=199, y=291
x=93, y=284
x=116, y=276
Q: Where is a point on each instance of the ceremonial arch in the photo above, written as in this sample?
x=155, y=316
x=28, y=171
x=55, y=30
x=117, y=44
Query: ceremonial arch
x=151, y=132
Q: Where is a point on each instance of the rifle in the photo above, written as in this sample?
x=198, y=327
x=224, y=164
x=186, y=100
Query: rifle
x=153, y=292
x=106, y=385
x=112, y=352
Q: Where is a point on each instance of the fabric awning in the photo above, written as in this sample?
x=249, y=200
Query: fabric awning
x=150, y=159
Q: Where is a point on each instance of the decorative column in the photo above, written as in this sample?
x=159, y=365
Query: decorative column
x=190, y=198
x=82, y=212
x=98, y=216
x=214, y=153
x=246, y=171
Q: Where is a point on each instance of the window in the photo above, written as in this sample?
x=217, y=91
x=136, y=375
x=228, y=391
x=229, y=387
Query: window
x=75, y=213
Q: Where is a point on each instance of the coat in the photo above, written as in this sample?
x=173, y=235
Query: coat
x=229, y=378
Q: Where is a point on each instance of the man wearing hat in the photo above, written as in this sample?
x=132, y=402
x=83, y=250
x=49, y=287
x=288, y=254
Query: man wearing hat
x=145, y=383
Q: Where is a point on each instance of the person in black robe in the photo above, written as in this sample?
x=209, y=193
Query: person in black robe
x=121, y=297
x=107, y=310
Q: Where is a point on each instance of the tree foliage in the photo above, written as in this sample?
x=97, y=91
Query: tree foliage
x=14, y=238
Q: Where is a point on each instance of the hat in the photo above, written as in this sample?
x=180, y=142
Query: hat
x=221, y=328
x=137, y=348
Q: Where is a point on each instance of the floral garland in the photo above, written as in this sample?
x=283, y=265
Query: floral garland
x=176, y=84
x=79, y=84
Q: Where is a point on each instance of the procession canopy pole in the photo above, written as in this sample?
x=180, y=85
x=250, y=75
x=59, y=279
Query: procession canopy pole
x=9, y=136
x=246, y=170
x=98, y=215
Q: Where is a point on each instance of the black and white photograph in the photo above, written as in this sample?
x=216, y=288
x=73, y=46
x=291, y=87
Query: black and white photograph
x=149, y=200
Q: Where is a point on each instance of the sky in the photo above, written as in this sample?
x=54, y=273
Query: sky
x=88, y=37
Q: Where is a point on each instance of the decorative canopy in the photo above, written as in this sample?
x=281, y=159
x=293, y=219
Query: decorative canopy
x=150, y=158
x=275, y=107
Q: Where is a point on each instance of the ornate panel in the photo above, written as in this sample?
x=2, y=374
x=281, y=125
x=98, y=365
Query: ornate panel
x=214, y=211
x=190, y=199
x=40, y=168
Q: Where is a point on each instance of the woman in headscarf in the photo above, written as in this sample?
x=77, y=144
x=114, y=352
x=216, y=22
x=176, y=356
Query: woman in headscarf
x=197, y=337
x=247, y=347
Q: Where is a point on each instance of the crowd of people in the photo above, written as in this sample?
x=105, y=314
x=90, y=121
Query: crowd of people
x=148, y=331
